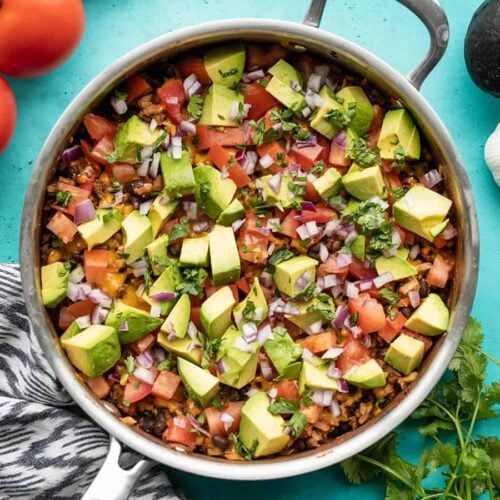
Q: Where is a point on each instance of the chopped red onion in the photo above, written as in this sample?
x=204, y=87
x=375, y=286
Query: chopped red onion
x=83, y=321
x=139, y=272
x=263, y=334
x=196, y=425
x=414, y=298
x=340, y=316
x=344, y=259
x=221, y=366
x=342, y=386
x=303, y=281
x=330, y=280
x=314, y=328
x=266, y=161
x=336, y=291
x=432, y=178
x=237, y=224
x=143, y=170
x=118, y=197
x=163, y=296
x=159, y=354
x=145, y=359
x=145, y=375
x=180, y=422
x=312, y=140
x=367, y=341
x=351, y=290
x=123, y=326
x=227, y=420
x=414, y=250
x=146, y=152
x=340, y=139
x=307, y=355
x=71, y=154
x=194, y=89
x=383, y=279
x=308, y=205
x=351, y=237
x=322, y=70
x=153, y=124
x=449, y=232
x=192, y=330
x=249, y=331
x=119, y=105
x=266, y=369
x=251, y=392
x=99, y=315
x=241, y=344
x=166, y=142
x=333, y=353
x=322, y=398
x=140, y=290
x=77, y=274
x=155, y=164
x=174, y=100
x=252, y=158
x=312, y=228
x=273, y=392
x=139, y=264
x=191, y=209
x=335, y=408
x=275, y=182
x=323, y=252
x=295, y=85
x=314, y=82
x=99, y=297
x=145, y=206
x=84, y=211
x=365, y=284
x=200, y=226
x=306, y=111
x=311, y=178
x=313, y=100
x=356, y=331
x=303, y=232
x=188, y=127
x=251, y=76
x=333, y=371
x=331, y=227
x=155, y=311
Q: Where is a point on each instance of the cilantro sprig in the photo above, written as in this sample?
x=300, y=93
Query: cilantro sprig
x=297, y=421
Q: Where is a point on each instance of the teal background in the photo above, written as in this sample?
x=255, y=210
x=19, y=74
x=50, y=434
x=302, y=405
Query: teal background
x=381, y=26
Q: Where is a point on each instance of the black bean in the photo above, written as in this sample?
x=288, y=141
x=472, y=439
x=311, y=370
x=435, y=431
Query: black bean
x=300, y=445
x=221, y=442
x=406, y=312
x=160, y=422
x=424, y=288
x=146, y=423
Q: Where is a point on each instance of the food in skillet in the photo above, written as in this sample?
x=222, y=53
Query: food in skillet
x=247, y=251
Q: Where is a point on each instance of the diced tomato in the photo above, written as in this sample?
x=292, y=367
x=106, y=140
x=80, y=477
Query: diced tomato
x=137, y=87
x=243, y=285
x=312, y=413
x=102, y=149
x=325, y=144
x=374, y=131
x=165, y=385
x=215, y=424
x=409, y=237
x=124, y=172
x=224, y=158
x=423, y=338
x=275, y=149
x=234, y=410
x=195, y=317
x=144, y=344
x=288, y=389
x=259, y=99
x=135, y=390
x=77, y=193
x=193, y=65
x=172, y=96
x=371, y=317
x=95, y=263
x=322, y=215
x=320, y=342
x=98, y=126
x=228, y=136
x=180, y=434
x=290, y=224
x=439, y=242
x=392, y=327
x=252, y=245
x=355, y=354
x=439, y=273
x=98, y=385
x=68, y=314
x=358, y=270
x=64, y=228
x=259, y=56
x=310, y=193
x=306, y=157
x=330, y=266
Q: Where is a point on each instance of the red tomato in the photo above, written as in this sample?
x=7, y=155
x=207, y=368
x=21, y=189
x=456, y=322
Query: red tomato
x=259, y=99
x=358, y=270
x=259, y=56
x=144, y=344
x=243, y=285
x=392, y=327
x=290, y=224
x=371, y=317
x=322, y=215
x=102, y=149
x=310, y=193
x=124, y=172
x=330, y=267
x=423, y=338
x=165, y=385
x=325, y=144
x=216, y=426
x=355, y=354
x=68, y=314
x=135, y=390
x=193, y=65
x=9, y=111
x=64, y=228
x=320, y=342
x=172, y=96
x=312, y=413
x=273, y=149
x=337, y=156
x=195, y=317
x=222, y=157
x=229, y=136
x=374, y=131
x=181, y=434
x=36, y=36
x=98, y=126
x=252, y=245
x=137, y=87
x=95, y=263
x=288, y=389
x=234, y=409
x=307, y=157
x=78, y=195
x=439, y=273
x=98, y=385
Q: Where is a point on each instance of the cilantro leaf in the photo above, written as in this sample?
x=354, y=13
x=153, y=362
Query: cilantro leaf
x=369, y=215
x=167, y=364
x=210, y=348
x=194, y=106
x=249, y=310
x=443, y=454
x=179, y=230
x=280, y=255
x=192, y=281
x=391, y=297
x=359, y=151
x=242, y=450
x=283, y=406
x=297, y=423
x=63, y=198
x=130, y=364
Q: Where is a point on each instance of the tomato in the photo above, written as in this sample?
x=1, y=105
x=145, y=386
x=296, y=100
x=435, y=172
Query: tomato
x=98, y=126
x=124, y=172
x=288, y=389
x=337, y=156
x=376, y=125
x=174, y=90
x=223, y=158
x=310, y=193
x=355, y=354
x=312, y=413
x=330, y=266
x=144, y=344
x=320, y=342
x=308, y=156
x=180, y=432
x=358, y=270
x=234, y=409
x=322, y=215
x=259, y=99
x=371, y=316
x=78, y=195
x=36, y=36
x=274, y=149
x=392, y=327
x=165, y=385
x=137, y=87
x=439, y=273
x=98, y=385
x=290, y=224
x=243, y=285
x=64, y=228
x=95, y=263
x=216, y=426
x=228, y=136
x=259, y=56
x=135, y=390
x=102, y=149
x=195, y=317
x=8, y=114
x=252, y=245
x=325, y=144
x=423, y=338
x=68, y=314
x=193, y=65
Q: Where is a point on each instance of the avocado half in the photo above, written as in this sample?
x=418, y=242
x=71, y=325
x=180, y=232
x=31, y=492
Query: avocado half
x=482, y=42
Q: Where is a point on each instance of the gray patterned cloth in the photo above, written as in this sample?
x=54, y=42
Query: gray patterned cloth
x=48, y=448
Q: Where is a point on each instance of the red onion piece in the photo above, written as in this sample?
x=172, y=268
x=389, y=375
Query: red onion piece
x=227, y=420
x=308, y=205
x=188, y=127
x=314, y=82
x=221, y=366
x=123, y=326
x=266, y=369
x=71, y=154
x=155, y=311
x=383, y=279
x=312, y=140
x=365, y=284
x=119, y=106
x=163, y=296
x=145, y=206
x=414, y=298
x=99, y=297
x=414, y=250
x=333, y=353
x=449, y=232
x=77, y=274
x=145, y=359
x=99, y=315
x=266, y=279
x=249, y=331
x=196, y=425
x=342, y=386
x=83, y=321
x=84, y=211
x=266, y=161
x=335, y=408
x=340, y=139
x=194, y=89
x=351, y=290
x=340, y=316
x=253, y=75
x=180, y=422
x=334, y=372
x=344, y=259
x=275, y=183
x=264, y=333
x=432, y=178
x=189, y=81
x=303, y=232
x=323, y=253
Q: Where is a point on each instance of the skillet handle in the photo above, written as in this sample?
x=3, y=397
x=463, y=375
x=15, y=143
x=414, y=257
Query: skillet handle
x=112, y=482
x=430, y=13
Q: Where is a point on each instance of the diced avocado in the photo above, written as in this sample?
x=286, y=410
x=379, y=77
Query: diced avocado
x=439, y=228
x=261, y=429
x=292, y=371
x=284, y=197
x=310, y=311
x=364, y=183
x=131, y=137
x=224, y=258
x=201, y=385
x=358, y=247
x=54, y=283
x=166, y=282
x=99, y=229
x=295, y=275
x=282, y=350
x=314, y=375
x=285, y=72
x=178, y=177
x=284, y=93
x=240, y=365
x=71, y=331
x=328, y=184
x=397, y=265
x=194, y=252
x=161, y=210
x=367, y=376
x=218, y=105
x=178, y=319
x=94, y=350
x=185, y=348
x=137, y=235
x=352, y=205
x=430, y=318
x=253, y=307
x=319, y=122
x=399, y=136
x=234, y=211
x=225, y=64
x=405, y=354
x=131, y=323
x=157, y=253
x=363, y=118
x=216, y=311
x=420, y=210
x=212, y=193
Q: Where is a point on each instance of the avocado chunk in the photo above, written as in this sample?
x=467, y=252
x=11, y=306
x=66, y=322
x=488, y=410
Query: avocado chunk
x=99, y=229
x=94, y=350
x=212, y=193
x=161, y=210
x=218, y=106
x=314, y=375
x=253, y=307
x=215, y=312
x=201, y=385
x=430, y=318
x=178, y=319
x=185, y=348
x=261, y=429
x=224, y=258
x=364, y=183
x=405, y=354
x=358, y=247
x=282, y=350
x=397, y=265
x=420, y=210
x=328, y=184
x=131, y=323
x=131, y=137
x=54, y=283
x=280, y=85
x=166, y=282
x=178, y=177
x=157, y=253
x=234, y=211
x=295, y=275
x=284, y=197
x=399, y=136
x=137, y=235
x=71, y=331
x=286, y=72
x=363, y=108
x=367, y=376
x=310, y=311
x=319, y=122
x=225, y=64
x=194, y=252
x=240, y=366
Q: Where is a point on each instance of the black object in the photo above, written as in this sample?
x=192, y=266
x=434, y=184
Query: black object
x=482, y=47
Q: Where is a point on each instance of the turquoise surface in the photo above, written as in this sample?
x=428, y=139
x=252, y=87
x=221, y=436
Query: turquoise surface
x=384, y=27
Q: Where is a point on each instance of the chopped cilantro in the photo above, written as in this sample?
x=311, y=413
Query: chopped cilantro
x=245, y=248
x=361, y=153
x=130, y=364
x=121, y=95
x=263, y=83
x=283, y=406
x=369, y=215
x=112, y=157
x=281, y=255
x=63, y=198
x=242, y=450
x=296, y=189
x=192, y=281
x=56, y=243
x=194, y=106
x=399, y=157
x=217, y=403
x=379, y=241
x=390, y=296
x=249, y=310
x=341, y=118
x=237, y=87
x=210, y=348
x=167, y=364
x=297, y=423
x=318, y=168
x=323, y=306
x=148, y=280
x=231, y=72
x=398, y=193
x=179, y=230
x=353, y=318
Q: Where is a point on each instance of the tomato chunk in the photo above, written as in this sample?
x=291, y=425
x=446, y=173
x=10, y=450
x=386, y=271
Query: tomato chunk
x=144, y=344
x=95, y=263
x=78, y=195
x=355, y=354
x=135, y=390
x=179, y=431
x=252, y=245
x=68, y=314
x=193, y=65
x=98, y=126
x=289, y=225
x=392, y=327
x=64, y=228
x=371, y=317
x=137, y=87
x=98, y=385
x=216, y=426
x=288, y=389
x=172, y=96
x=320, y=342
x=224, y=158
x=321, y=215
x=102, y=149
x=124, y=172
x=165, y=385
x=308, y=156
x=259, y=99
x=439, y=273
x=229, y=136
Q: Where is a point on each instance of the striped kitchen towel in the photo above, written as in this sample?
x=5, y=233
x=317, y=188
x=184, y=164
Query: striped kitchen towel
x=48, y=448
